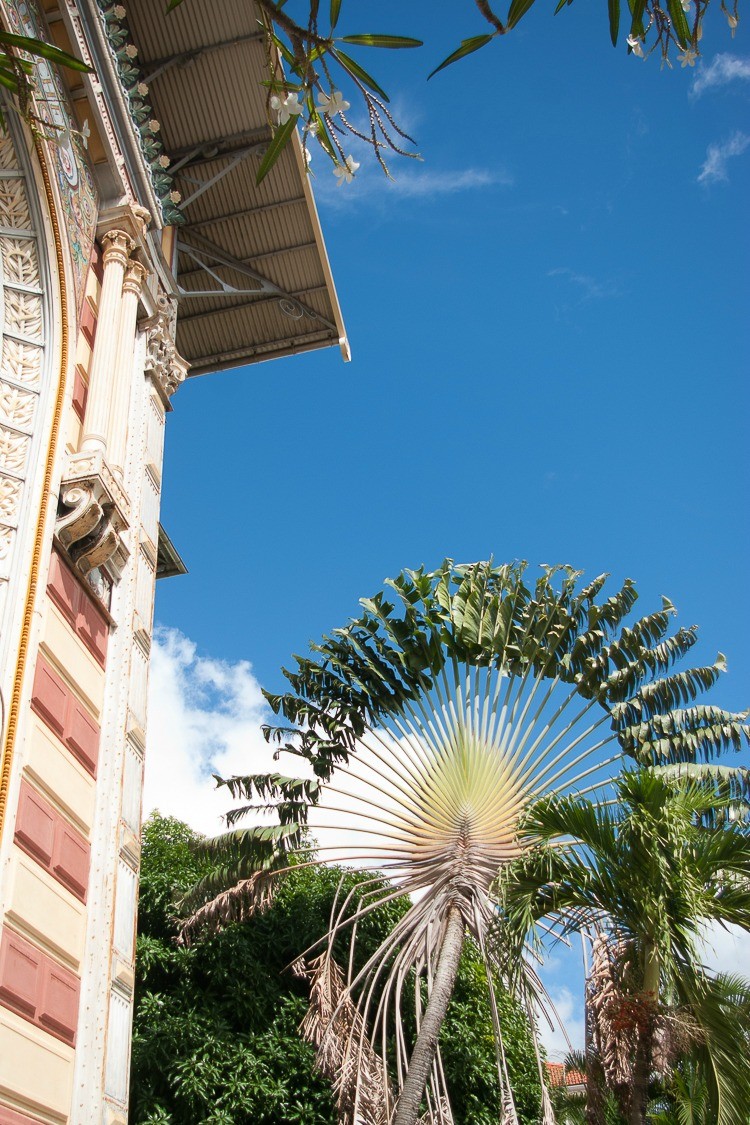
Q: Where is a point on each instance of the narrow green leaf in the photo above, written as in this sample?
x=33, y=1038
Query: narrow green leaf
x=44, y=51
x=680, y=25
x=335, y=9
x=359, y=72
x=614, y=20
x=637, y=8
x=283, y=50
x=468, y=46
x=273, y=152
x=518, y=9
x=391, y=41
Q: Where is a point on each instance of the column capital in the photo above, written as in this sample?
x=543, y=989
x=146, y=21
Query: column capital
x=117, y=247
x=135, y=275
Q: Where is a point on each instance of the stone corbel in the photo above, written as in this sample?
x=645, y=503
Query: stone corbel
x=164, y=364
x=92, y=516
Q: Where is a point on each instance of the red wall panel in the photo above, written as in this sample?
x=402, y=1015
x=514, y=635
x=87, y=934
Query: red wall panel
x=37, y=988
x=53, y=700
x=46, y=836
x=79, y=607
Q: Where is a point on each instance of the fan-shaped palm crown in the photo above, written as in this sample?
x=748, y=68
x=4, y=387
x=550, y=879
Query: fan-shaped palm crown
x=429, y=725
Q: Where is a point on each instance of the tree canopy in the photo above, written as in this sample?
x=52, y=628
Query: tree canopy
x=216, y=1031
x=456, y=702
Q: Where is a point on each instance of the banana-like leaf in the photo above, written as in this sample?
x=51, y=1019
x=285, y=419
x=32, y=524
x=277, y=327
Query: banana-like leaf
x=275, y=148
x=468, y=46
x=517, y=10
x=393, y=42
x=44, y=51
x=359, y=73
x=614, y=20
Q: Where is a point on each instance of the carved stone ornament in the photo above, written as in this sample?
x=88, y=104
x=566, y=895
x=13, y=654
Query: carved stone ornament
x=164, y=364
x=92, y=516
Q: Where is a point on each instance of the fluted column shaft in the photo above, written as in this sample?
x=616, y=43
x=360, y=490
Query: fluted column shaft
x=117, y=429
x=117, y=248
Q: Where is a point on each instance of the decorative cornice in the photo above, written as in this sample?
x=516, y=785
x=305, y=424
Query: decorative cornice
x=124, y=52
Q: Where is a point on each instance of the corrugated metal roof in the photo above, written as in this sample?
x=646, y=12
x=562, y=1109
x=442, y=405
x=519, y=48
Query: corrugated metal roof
x=252, y=265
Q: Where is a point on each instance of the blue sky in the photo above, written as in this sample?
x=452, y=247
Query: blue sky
x=549, y=330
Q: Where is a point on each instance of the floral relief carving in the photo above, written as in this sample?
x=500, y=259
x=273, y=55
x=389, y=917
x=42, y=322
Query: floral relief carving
x=10, y=494
x=21, y=362
x=8, y=157
x=13, y=449
x=16, y=406
x=6, y=538
x=14, y=207
x=20, y=262
x=23, y=314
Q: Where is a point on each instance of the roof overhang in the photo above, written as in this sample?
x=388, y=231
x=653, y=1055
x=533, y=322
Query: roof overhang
x=250, y=265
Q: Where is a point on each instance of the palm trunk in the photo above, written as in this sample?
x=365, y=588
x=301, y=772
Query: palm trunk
x=642, y=1063
x=423, y=1055
x=595, y=1111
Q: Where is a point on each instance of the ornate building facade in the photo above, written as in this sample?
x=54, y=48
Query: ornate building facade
x=136, y=250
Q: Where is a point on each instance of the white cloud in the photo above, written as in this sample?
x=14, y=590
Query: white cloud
x=722, y=70
x=591, y=288
x=727, y=950
x=204, y=717
x=717, y=155
x=428, y=184
x=420, y=183
x=569, y=1009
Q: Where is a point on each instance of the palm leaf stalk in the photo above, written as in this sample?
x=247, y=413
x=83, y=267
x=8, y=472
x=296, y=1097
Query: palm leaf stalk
x=645, y=875
x=427, y=727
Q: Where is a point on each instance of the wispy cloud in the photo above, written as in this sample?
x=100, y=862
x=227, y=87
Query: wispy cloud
x=718, y=155
x=429, y=183
x=590, y=288
x=722, y=70
x=419, y=183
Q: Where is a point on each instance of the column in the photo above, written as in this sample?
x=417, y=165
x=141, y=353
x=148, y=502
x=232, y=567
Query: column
x=117, y=429
x=117, y=247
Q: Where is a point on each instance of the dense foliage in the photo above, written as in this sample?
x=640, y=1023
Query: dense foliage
x=216, y=1025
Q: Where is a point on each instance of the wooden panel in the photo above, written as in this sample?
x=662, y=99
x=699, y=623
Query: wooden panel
x=63, y=588
x=58, y=1008
x=92, y=627
x=20, y=974
x=80, y=393
x=82, y=736
x=79, y=607
x=35, y=825
x=49, y=696
x=37, y=988
x=70, y=862
x=44, y=834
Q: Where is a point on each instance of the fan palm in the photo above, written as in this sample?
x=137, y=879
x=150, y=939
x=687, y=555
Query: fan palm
x=428, y=726
x=645, y=875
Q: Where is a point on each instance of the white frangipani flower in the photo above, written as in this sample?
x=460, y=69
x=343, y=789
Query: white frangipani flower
x=686, y=5
x=345, y=172
x=688, y=57
x=732, y=21
x=333, y=103
x=636, y=46
x=286, y=107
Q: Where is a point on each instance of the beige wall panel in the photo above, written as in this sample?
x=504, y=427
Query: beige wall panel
x=41, y=907
x=59, y=775
x=73, y=659
x=36, y=1070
